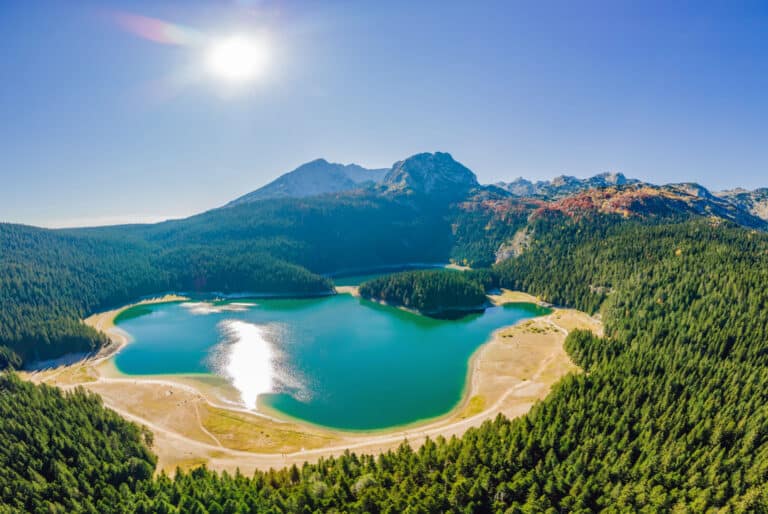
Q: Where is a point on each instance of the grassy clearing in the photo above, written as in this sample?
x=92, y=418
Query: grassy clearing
x=78, y=375
x=183, y=464
x=475, y=406
x=240, y=431
x=508, y=296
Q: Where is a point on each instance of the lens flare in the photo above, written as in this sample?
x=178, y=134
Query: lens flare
x=233, y=60
x=159, y=31
x=237, y=58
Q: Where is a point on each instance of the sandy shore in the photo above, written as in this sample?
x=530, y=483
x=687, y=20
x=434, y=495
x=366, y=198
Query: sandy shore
x=196, y=419
x=105, y=322
x=353, y=290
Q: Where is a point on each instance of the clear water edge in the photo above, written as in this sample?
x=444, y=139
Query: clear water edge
x=265, y=407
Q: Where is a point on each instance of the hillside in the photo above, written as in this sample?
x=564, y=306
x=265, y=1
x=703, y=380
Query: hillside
x=66, y=452
x=50, y=280
x=505, y=219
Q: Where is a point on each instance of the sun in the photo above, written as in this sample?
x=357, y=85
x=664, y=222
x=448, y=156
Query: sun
x=237, y=59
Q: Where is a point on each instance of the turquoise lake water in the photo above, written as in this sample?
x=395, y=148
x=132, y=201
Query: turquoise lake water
x=338, y=361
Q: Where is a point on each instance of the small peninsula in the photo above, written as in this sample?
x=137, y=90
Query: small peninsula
x=434, y=293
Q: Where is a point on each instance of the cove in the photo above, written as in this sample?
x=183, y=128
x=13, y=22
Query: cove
x=341, y=362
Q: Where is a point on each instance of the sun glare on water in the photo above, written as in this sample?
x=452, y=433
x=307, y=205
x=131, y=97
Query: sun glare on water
x=248, y=360
x=237, y=59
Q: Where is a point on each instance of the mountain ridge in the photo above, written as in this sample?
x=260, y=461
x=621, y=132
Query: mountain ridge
x=313, y=178
x=563, y=184
x=439, y=174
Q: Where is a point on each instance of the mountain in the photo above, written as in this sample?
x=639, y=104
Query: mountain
x=615, y=193
x=521, y=187
x=425, y=173
x=314, y=178
x=563, y=185
x=431, y=174
x=647, y=200
x=754, y=202
x=691, y=189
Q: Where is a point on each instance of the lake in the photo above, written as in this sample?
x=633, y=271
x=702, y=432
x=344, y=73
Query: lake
x=338, y=361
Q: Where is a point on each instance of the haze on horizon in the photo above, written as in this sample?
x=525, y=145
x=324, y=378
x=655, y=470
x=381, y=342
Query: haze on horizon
x=121, y=111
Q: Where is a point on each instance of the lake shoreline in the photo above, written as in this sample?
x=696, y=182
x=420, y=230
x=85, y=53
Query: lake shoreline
x=108, y=369
x=489, y=390
x=406, y=266
x=104, y=322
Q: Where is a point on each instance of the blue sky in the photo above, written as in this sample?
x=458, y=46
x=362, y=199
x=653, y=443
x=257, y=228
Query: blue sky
x=101, y=125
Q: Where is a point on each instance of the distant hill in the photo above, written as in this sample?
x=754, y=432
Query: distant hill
x=563, y=185
x=647, y=200
x=615, y=193
x=315, y=178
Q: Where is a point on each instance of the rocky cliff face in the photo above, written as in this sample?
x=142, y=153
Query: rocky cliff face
x=754, y=202
x=430, y=174
x=691, y=189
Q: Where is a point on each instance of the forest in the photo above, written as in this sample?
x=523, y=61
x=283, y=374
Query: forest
x=671, y=416
x=51, y=280
x=433, y=292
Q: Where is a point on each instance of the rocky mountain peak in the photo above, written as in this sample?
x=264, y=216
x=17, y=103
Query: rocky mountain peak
x=692, y=189
x=430, y=173
x=612, y=178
